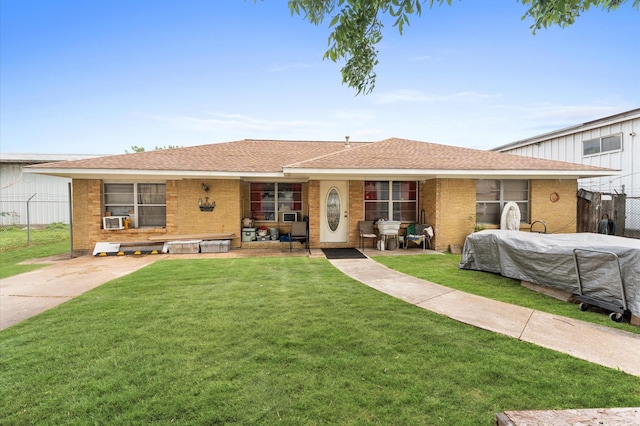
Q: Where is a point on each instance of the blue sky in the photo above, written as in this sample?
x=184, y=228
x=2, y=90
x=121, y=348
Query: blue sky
x=99, y=76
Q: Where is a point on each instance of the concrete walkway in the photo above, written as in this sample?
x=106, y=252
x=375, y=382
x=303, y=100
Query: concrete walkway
x=26, y=295
x=23, y=296
x=601, y=345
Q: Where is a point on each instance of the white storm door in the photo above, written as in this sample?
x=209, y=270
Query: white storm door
x=334, y=212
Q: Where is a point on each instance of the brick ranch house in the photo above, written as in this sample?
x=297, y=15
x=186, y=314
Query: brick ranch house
x=451, y=188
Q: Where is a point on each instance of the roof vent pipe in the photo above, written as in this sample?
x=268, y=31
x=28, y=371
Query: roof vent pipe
x=346, y=142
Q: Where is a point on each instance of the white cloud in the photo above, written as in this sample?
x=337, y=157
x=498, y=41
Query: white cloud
x=218, y=122
x=575, y=114
x=538, y=118
x=521, y=121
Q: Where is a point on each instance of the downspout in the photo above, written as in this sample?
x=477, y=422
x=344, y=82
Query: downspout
x=70, y=221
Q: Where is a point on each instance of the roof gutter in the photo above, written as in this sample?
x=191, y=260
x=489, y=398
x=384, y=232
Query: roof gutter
x=453, y=174
x=121, y=174
x=314, y=173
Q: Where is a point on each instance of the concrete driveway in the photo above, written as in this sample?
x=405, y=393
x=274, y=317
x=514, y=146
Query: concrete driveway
x=25, y=295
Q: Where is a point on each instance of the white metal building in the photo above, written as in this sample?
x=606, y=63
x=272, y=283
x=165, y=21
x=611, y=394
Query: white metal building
x=612, y=142
x=46, y=197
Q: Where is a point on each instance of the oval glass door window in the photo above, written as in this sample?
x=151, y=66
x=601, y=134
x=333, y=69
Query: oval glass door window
x=333, y=209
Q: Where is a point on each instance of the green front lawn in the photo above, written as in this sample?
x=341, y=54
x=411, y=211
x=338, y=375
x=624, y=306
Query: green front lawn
x=17, y=245
x=286, y=341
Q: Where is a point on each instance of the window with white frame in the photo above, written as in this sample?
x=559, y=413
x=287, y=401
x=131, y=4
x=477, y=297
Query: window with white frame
x=144, y=203
x=493, y=194
x=270, y=200
x=391, y=200
x=601, y=145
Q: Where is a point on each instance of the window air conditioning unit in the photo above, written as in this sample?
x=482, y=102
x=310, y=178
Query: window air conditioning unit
x=112, y=223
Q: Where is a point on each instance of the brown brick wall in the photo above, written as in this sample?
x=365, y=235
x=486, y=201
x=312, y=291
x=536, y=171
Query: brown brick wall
x=172, y=207
x=455, y=207
x=225, y=218
x=356, y=211
x=87, y=219
x=82, y=215
x=449, y=206
x=560, y=216
x=314, y=213
x=451, y=226
x=183, y=213
x=429, y=193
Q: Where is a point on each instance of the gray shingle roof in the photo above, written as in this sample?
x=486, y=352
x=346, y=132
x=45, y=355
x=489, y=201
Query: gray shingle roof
x=240, y=156
x=272, y=156
x=407, y=154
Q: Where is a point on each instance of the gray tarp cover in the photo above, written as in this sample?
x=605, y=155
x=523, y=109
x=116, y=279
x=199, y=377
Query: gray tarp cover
x=547, y=259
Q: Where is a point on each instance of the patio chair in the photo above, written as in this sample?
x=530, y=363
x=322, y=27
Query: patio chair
x=299, y=232
x=419, y=234
x=366, y=231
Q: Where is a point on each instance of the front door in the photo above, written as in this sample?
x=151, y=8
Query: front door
x=334, y=212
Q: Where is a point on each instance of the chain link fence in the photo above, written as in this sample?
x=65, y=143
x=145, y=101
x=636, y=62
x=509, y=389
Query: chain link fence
x=632, y=219
x=33, y=209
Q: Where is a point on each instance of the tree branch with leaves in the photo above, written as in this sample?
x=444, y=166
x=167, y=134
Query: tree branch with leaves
x=356, y=26
x=136, y=148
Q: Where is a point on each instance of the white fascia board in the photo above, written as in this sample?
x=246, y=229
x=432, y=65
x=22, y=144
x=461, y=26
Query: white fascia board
x=280, y=178
x=419, y=174
x=150, y=174
x=306, y=174
x=530, y=174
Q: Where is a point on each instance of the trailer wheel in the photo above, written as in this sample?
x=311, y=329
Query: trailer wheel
x=616, y=316
x=583, y=307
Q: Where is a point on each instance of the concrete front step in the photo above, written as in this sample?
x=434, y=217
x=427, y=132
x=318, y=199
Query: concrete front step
x=268, y=245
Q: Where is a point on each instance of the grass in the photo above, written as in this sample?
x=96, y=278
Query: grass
x=14, y=247
x=444, y=271
x=278, y=340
